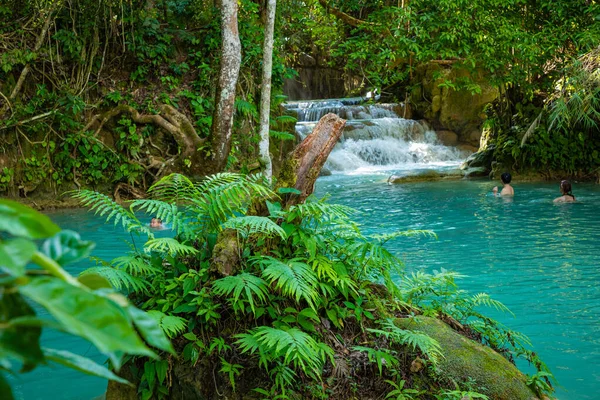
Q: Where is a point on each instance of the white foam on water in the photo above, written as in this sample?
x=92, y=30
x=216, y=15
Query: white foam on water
x=376, y=140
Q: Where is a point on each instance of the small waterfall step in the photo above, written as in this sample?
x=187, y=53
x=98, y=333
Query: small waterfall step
x=375, y=138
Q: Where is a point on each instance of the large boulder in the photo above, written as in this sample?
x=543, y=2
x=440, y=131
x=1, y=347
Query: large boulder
x=466, y=359
x=458, y=110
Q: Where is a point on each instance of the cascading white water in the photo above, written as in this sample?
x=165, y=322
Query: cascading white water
x=375, y=137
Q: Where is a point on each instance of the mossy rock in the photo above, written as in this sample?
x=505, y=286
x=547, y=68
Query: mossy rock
x=464, y=358
x=426, y=176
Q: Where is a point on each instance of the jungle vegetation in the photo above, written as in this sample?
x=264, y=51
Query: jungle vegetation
x=118, y=93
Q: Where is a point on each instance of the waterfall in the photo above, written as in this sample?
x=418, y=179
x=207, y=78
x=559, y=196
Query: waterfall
x=375, y=137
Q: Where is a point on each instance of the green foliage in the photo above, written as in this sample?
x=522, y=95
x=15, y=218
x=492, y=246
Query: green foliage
x=300, y=284
x=83, y=307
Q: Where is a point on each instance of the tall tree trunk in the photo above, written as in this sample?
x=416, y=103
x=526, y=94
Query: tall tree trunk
x=265, y=96
x=231, y=58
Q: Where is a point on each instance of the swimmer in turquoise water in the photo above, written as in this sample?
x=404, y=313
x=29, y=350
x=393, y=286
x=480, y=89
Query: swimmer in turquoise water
x=507, y=190
x=156, y=223
x=567, y=193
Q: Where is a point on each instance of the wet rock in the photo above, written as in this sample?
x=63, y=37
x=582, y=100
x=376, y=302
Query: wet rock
x=426, y=176
x=467, y=147
x=447, y=138
x=476, y=172
x=325, y=172
x=482, y=158
x=465, y=358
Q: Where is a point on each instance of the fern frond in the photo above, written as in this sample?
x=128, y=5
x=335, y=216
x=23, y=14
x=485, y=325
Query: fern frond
x=119, y=279
x=173, y=188
x=135, y=265
x=415, y=339
x=295, y=347
x=321, y=210
x=253, y=287
x=286, y=119
x=252, y=224
x=486, y=300
x=170, y=246
x=281, y=135
x=171, y=325
x=167, y=212
x=293, y=278
x=531, y=129
x=103, y=205
x=380, y=357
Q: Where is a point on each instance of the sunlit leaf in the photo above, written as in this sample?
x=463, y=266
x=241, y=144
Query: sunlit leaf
x=15, y=254
x=23, y=221
x=86, y=314
x=82, y=364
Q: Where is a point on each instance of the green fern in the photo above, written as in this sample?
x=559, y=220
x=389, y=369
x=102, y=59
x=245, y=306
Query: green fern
x=380, y=357
x=136, y=265
x=168, y=212
x=253, y=287
x=417, y=340
x=173, y=188
x=281, y=135
x=119, y=279
x=294, y=347
x=293, y=278
x=172, y=326
x=170, y=246
x=286, y=119
x=103, y=205
x=486, y=300
x=249, y=225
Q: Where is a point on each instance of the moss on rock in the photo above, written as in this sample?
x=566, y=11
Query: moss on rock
x=464, y=358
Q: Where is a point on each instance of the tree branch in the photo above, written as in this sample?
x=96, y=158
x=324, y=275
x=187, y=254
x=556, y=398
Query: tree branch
x=350, y=20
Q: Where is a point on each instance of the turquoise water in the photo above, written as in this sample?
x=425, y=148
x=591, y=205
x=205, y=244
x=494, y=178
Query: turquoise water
x=540, y=259
x=57, y=382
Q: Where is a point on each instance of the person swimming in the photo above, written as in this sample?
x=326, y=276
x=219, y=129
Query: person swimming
x=567, y=193
x=156, y=223
x=507, y=190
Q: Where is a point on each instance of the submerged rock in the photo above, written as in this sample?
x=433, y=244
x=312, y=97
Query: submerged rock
x=426, y=176
x=464, y=358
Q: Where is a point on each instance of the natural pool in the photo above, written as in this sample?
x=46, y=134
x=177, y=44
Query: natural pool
x=540, y=259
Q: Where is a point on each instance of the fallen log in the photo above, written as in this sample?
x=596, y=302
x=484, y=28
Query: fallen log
x=301, y=169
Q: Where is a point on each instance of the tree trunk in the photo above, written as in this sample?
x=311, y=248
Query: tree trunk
x=231, y=58
x=304, y=164
x=265, y=96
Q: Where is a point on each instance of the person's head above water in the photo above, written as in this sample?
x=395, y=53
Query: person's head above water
x=565, y=188
x=156, y=222
x=506, y=178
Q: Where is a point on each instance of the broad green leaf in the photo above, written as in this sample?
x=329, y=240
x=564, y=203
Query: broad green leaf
x=94, y=281
x=23, y=221
x=161, y=370
x=288, y=190
x=150, y=373
x=67, y=246
x=21, y=343
x=82, y=364
x=5, y=392
x=89, y=315
x=15, y=254
x=150, y=329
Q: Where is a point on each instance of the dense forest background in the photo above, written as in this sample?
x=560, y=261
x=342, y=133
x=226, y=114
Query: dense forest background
x=109, y=92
